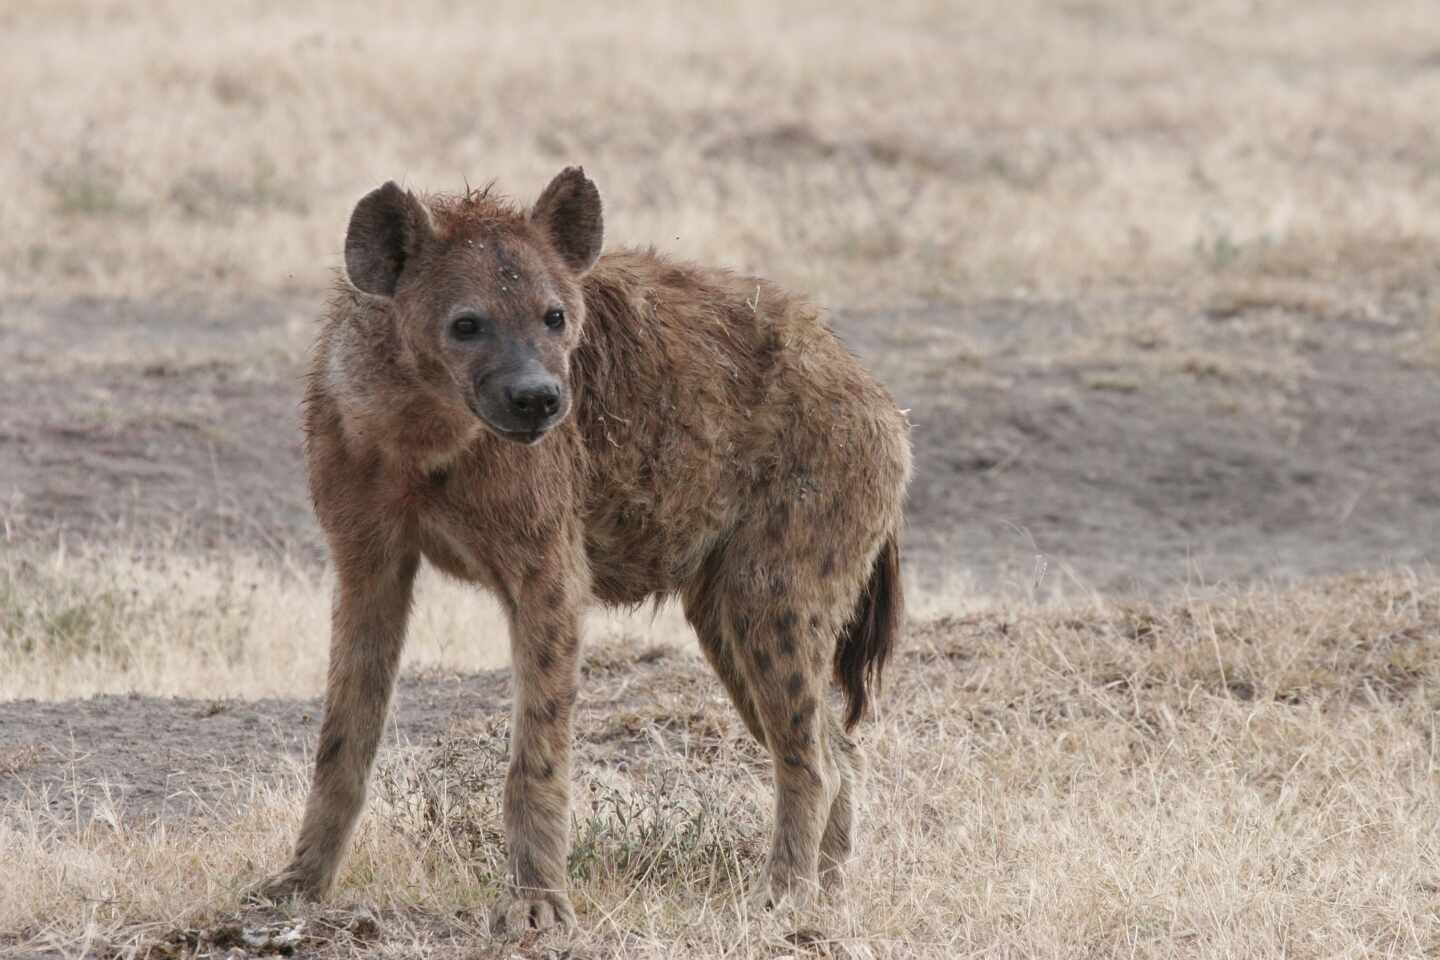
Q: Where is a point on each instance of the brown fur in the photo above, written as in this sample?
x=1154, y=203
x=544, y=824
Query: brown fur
x=721, y=445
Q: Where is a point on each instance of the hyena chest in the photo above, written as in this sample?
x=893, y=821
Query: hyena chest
x=459, y=538
x=452, y=552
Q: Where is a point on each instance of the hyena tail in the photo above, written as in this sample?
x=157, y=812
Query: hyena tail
x=871, y=633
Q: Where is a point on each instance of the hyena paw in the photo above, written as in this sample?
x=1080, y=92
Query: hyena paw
x=778, y=890
x=520, y=910
x=286, y=884
x=832, y=874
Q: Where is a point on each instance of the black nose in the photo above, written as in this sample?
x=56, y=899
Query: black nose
x=534, y=399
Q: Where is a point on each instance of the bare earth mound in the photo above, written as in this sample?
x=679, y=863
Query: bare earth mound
x=1134, y=443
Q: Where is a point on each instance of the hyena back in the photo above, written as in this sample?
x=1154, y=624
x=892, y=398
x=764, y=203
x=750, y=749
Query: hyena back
x=492, y=395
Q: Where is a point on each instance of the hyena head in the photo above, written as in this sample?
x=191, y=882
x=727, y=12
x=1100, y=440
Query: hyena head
x=488, y=300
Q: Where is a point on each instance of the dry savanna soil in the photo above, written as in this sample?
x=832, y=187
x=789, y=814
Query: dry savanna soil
x=1120, y=443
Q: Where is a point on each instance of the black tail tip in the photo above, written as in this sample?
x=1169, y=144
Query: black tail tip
x=871, y=634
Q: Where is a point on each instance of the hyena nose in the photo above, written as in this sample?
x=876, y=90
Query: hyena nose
x=534, y=399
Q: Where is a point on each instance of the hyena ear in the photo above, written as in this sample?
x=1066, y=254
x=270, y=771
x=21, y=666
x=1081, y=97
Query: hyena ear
x=388, y=228
x=569, y=212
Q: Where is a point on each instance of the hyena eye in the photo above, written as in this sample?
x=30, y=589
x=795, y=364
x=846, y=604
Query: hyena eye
x=465, y=328
x=555, y=319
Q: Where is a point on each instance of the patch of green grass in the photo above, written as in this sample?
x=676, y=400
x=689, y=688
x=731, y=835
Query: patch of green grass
x=87, y=617
x=1112, y=382
x=663, y=827
x=1219, y=250
x=87, y=187
x=41, y=616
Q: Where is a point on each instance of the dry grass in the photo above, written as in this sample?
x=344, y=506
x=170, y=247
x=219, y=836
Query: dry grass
x=915, y=150
x=117, y=621
x=1253, y=775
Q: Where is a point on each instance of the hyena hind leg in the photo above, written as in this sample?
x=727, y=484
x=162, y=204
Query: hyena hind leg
x=720, y=642
x=786, y=671
x=836, y=843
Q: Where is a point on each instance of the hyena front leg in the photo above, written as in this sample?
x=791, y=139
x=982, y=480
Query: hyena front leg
x=372, y=604
x=545, y=644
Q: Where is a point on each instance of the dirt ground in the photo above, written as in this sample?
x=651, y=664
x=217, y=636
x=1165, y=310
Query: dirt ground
x=159, y=758
x=1134, y=443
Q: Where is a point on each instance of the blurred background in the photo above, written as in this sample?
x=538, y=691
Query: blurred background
x=914, y=153
x=1156, y=280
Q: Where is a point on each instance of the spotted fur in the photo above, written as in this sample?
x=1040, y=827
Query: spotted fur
x=717, y=444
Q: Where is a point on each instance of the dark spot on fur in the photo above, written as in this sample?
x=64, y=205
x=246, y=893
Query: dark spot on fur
x=742, y=629
x=546, y=711
x=802, y=713
x=505, y=260
x=805, y=485
x=330, y=747
x=546, y=535
x=796, y=762
x=370, y=469
x=762, y=660
x=529, y=768
x=778, y=521
x=814, y=621
x=524, y=870
x=785, y=627
x=544, y=659
x=795, y=684
x=429, y=367
x=438, y=476
x=827, y=566
x=770, y=348
x=561, y=640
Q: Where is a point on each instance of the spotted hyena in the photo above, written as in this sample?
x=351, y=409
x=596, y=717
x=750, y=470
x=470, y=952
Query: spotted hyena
x=490, y=393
